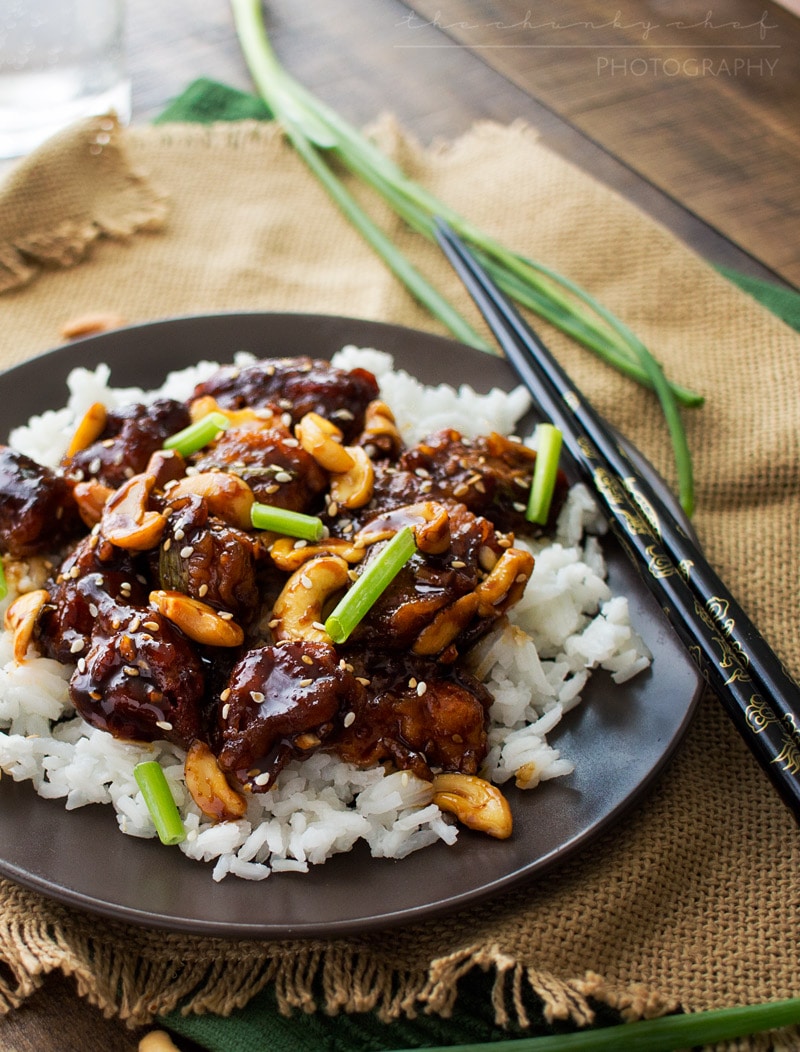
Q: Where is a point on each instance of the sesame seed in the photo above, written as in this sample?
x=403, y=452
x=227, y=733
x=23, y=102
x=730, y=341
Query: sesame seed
x=412, y=683
x=318, y=625
x=165, y=725
x=333, y=509
x=179, y=534
x=272, y=488
x=151, y=626
x=404, y=779
x=129, y=670
x=300, y=543
x=225, y=615
x=307, y=660
x=186, y=551
x=283, y=476
x=274, y=622
x=306, y=682
x=81, y=664
x=225, y=710
x=520, y=578
x=167, y=544
x=349, y=719
x=305, y=581
x=75, y=572
x=93, y=610
x=262, y=778
x=364, y=682
x=457, y=739
x=257, y=696
x=458, y=564
x=518, y=506
x=135, y=624
x=422, y=473
x=94, y=465
x=225, y=694
x=95, y=695
x=461, y=490
x=422, y=686
x=203, y=590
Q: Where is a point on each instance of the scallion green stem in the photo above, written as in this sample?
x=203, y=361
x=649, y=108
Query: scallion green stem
x=666, y=1034
x=314, y=128
x=545, y=471
x=288, y=523
x=3, y=582
x=198, y=434
x=158, y=796
x=370, y=586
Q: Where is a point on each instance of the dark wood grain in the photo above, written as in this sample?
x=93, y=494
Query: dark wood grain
x=700, y=100
x=714, y=160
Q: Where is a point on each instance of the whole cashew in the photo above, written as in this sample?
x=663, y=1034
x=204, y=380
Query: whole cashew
x=475, y=802
x=298, y=610
x=323, y=440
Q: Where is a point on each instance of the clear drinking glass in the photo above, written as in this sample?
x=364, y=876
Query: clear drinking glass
x=60, y=60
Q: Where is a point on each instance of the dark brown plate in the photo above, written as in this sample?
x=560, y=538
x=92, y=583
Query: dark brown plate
x=620, y=737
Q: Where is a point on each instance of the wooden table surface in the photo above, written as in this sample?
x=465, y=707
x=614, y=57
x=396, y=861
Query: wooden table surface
x=690, y=113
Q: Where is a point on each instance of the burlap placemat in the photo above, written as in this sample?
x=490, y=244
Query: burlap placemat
x=692, y=899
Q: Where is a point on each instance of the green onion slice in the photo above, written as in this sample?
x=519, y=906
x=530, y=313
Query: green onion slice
x=157, y=795
x=198, y=434
x=356, y=603
x=3, y=582
x=289, y=523
x=545, y=471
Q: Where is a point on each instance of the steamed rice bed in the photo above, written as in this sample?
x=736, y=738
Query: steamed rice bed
x=536, y=667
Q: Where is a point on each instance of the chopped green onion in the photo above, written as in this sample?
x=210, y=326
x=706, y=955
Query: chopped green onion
x=289, y=523
x=198, y=434
x=545, y=470
x=3, y=582
x=665, y=1034
x=373, y=582
x=324, y=139
x=158, y=796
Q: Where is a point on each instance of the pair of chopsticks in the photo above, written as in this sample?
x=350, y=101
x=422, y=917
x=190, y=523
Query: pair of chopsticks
x=736, y=661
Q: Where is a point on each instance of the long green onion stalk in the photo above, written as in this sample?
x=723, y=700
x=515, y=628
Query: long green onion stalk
x=318, y=133
x=666, y=1034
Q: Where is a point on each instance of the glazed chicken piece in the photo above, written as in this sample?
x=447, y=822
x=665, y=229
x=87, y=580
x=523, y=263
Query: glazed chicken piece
x=280, y=702
x=131, y=434
x=272, y=462
x=37, y=512
x=207, y=559
x=137, y=676
x=490, y=474
x=296, y=386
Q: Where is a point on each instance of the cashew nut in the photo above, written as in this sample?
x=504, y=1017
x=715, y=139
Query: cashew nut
x=506, y=582
x=208, y=785
x=298, y=610
x=248, y=417
x=197, y=620
x=288, y=556
x=227, y=496
x=475, y=802
x=89, y=429
x=126, y=522
x=380, y=428
x=446, y=625
x=429, y=520
x=20, y=618
x=353, y=488
x=323, y=440
x=91, y=498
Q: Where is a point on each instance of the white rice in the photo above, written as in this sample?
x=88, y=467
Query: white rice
x=567, y=624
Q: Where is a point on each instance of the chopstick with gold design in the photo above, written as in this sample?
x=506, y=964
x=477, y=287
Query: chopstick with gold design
x=756, y=690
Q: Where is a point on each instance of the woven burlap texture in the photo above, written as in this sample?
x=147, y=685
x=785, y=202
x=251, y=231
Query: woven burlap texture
x=692, y=899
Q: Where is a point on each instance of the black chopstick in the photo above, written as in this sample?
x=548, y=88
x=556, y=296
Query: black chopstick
x=752, y=684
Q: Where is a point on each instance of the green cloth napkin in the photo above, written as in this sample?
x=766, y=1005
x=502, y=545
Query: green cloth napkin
x=258, y=1026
